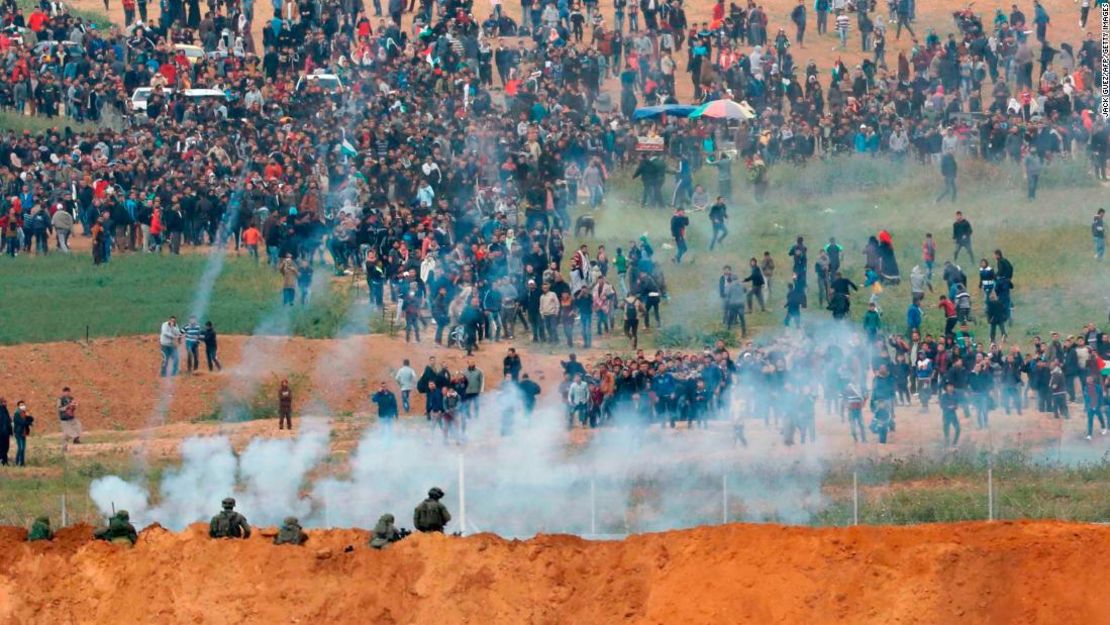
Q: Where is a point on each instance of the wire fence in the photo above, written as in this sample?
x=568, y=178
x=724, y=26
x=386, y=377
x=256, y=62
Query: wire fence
x=922, y=486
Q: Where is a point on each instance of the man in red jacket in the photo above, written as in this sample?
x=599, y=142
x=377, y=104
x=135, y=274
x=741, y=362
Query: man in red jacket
x=949, y=314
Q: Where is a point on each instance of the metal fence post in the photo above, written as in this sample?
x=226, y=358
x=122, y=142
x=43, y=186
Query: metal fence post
x=593, y=507
x=990, y=489
x=855, y=498
x=724, y=497
x=462, y=492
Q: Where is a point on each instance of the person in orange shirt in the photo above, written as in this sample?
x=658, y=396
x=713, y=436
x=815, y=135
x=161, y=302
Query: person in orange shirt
x=251, y=238
x=273, y=171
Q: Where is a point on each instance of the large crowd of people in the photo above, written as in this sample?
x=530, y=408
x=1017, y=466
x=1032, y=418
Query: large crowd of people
x=443, y=159
x=386, y=145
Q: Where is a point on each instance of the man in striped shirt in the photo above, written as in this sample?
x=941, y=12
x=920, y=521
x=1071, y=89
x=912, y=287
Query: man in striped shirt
x=842, y=24
x=192, y=334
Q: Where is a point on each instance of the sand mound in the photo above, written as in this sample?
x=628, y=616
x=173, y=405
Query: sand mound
x=966, y=573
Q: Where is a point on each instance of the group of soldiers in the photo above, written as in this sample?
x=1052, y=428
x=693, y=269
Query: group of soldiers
x=431, y=515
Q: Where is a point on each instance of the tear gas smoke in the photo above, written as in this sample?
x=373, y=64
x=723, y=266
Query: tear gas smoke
x=518, y=485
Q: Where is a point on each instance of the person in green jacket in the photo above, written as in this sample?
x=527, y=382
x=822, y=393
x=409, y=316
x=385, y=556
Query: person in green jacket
x=290, y=533
x=621, y=264
x=40, y=530
x=385, y=532
x=872, y=322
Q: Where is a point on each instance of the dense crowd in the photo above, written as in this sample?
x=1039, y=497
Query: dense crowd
x=784, y=381
x=780, y=382
x=390, y=149
x=402, y=148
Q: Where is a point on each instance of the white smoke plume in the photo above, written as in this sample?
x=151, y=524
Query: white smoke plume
x=517, y=485
x=265, y=479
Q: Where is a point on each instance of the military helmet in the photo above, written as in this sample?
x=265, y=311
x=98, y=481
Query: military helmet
x=122, y=514
x=229, y=503
x=387, y=517
x=291, y=520
x=435, y=493
x=43, y=519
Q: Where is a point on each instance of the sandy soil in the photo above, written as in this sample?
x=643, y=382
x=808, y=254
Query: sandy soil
x=125, y=406
x=1011, y=573
x=117, y=385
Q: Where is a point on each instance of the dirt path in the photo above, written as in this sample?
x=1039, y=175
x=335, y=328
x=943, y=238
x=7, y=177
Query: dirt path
x=125, y=406
x=116, y=380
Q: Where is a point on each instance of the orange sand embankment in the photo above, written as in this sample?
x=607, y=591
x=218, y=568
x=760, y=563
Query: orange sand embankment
x=975, y=573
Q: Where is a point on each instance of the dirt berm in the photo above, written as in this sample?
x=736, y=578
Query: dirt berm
x=1005, y=573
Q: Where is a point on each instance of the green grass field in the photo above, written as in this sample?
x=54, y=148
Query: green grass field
x=1058, y=284
x=12, y=120
x=54, y=298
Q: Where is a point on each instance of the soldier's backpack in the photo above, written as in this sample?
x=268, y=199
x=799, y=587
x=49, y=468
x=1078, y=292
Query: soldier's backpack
x=221, y=526
x=427, y=517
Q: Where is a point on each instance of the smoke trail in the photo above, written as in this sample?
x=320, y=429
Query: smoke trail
x=256, y=363
x=202, y=295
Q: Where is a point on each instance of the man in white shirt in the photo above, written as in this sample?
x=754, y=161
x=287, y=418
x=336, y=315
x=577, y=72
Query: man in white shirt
x=168, y=339
x=406, y=380
x=578, y=397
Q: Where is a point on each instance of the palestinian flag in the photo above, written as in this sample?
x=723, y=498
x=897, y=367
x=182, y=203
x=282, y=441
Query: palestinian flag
x=347, y=149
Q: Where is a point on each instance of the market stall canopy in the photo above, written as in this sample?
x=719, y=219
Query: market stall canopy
x=648, y=112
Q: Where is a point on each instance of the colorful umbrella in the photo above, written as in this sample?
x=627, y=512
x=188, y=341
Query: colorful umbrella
x=724, y=109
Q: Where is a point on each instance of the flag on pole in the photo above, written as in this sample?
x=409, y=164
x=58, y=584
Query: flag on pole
x=347, y=149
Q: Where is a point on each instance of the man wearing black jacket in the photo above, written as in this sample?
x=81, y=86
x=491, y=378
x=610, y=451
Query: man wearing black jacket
x=679, y=223
x=798, y=16
x=529, y=391
x=756, y=280
x=175, y=225
x=511, y=366
x=5, y=431
x=961, y=235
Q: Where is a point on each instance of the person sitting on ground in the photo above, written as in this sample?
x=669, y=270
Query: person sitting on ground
x=290, y=533
x=385, y=532
x=229, y=523
x=119, y=530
